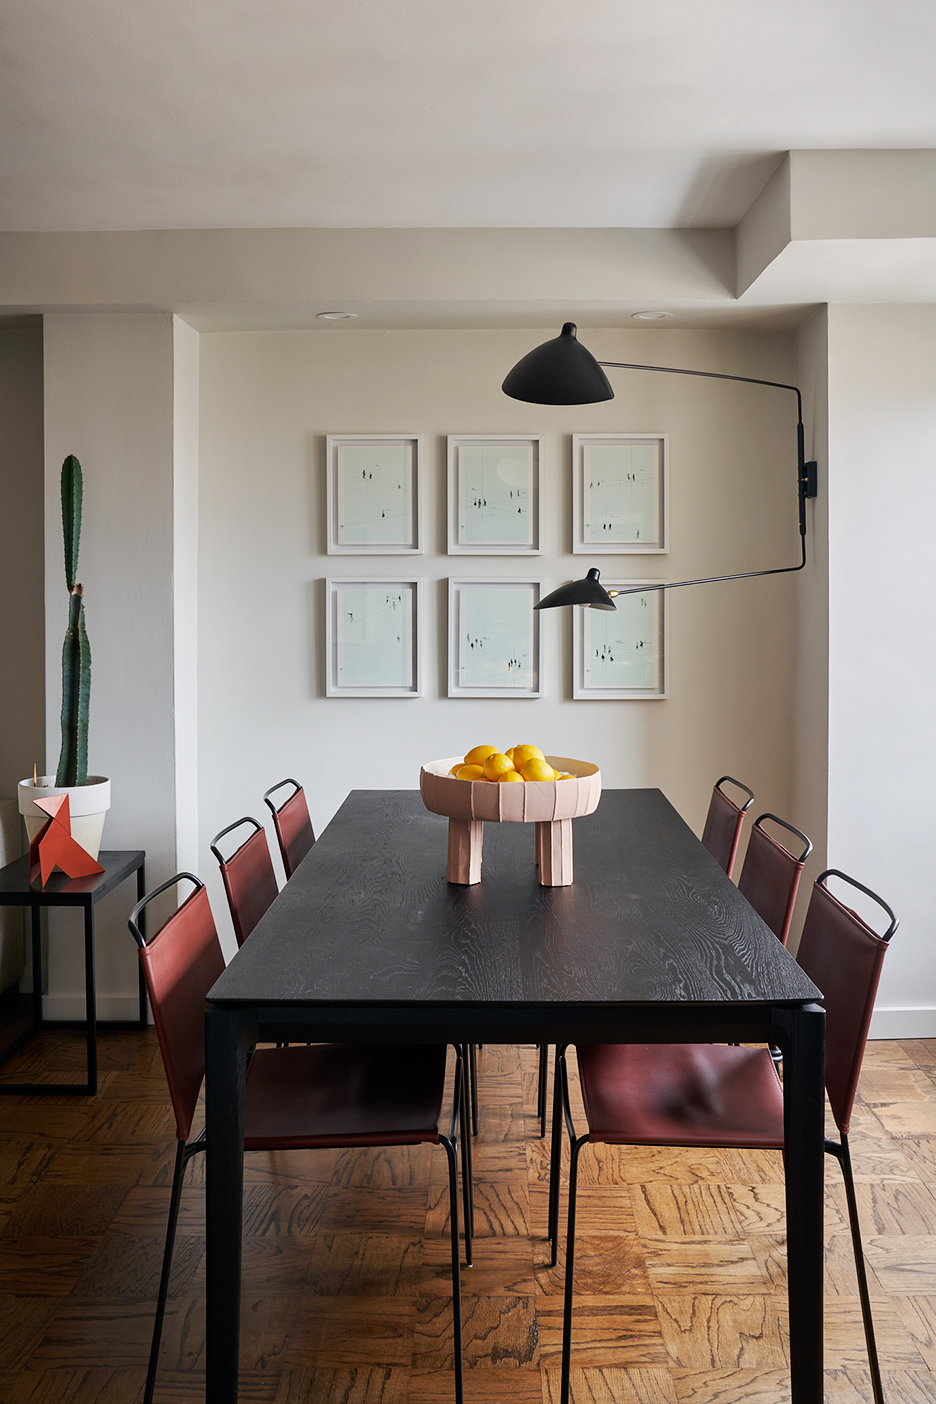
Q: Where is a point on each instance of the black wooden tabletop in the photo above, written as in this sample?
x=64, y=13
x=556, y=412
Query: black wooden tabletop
x=370, y=918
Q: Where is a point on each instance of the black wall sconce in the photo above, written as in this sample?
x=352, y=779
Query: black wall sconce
x=564, y=372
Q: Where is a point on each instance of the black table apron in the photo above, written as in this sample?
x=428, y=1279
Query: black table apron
x=651, y=943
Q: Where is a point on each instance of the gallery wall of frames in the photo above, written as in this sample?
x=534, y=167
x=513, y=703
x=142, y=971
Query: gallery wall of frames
x=375, y=636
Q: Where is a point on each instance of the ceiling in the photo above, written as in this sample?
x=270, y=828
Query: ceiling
x=182, y=114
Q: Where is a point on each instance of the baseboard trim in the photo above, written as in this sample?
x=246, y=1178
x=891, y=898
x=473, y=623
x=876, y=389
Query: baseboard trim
x=124, y=1008
x=903, y=1023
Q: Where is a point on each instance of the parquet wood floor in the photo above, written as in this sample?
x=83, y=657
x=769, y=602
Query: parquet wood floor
x=680, y=1285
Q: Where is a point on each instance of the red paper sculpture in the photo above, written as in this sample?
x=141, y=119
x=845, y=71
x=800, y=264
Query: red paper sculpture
x=54, y=846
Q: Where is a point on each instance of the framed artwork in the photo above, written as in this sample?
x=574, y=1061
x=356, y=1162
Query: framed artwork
x=619, y=494
x=494, y=635
x=373, y=628
x=621, y=654
x=494, y=494
x=374, y=491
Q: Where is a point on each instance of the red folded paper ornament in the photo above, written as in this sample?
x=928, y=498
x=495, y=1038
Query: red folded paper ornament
x=54, y=846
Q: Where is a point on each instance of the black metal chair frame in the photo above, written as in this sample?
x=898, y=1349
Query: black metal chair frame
x=247, y=819
x=187, y=1149
x=732, y=781
x=759, y=824
x=278, y=786
x=838, y=1149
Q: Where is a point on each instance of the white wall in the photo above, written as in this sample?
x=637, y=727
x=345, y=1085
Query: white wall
x=810, y=758
x=109, y=400
x=22, y=623
x=268, y=400
x=882, y=660
x=185, y=588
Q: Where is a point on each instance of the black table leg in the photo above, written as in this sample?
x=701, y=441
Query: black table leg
x=801, y=1036
x=228, y=1034
x=141, y=893
x=36, y=926
x=90, y=999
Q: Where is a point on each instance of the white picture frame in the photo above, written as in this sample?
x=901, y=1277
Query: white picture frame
x=373, y=636
x=374, y=491
x=494, y=494
x=619, y=654
x=494, y=637
x=620, y=494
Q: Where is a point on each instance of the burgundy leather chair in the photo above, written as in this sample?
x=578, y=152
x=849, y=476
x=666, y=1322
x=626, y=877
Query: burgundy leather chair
x=326, y=1095
x=770, y=875
x=722, y=832
x=710, y=1095
x=248, y=877
x=769, y=879
x=292, y=824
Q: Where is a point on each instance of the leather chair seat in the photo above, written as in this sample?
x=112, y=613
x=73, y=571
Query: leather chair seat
x=344, y=1094
x=681, y=1094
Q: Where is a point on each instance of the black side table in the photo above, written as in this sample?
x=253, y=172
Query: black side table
x=62, y=891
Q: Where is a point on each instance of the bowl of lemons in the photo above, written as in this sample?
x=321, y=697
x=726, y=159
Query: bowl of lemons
x=521, y=785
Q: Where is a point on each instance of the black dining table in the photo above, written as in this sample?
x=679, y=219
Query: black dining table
x=651, y=942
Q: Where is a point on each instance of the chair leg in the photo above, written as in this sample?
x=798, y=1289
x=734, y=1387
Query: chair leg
x=456, y=1267
x=473, y=1081
x=569, y=1272
x=560, y=1100
x=177, y=1176
x=843, y=1156
x=541, y=1087
x=460, y=1119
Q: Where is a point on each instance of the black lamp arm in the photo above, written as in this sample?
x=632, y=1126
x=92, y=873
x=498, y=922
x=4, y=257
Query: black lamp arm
x=806, y=485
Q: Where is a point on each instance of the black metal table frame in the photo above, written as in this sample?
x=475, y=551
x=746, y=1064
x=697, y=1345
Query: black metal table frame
x=798, y=1029
x=64, y=892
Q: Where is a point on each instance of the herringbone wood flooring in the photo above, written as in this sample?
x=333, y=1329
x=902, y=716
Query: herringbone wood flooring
x=680, y=1285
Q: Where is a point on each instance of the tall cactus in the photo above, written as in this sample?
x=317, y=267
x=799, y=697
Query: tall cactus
x=76, y=653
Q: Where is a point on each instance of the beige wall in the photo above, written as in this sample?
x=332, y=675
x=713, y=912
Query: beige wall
x=268, y=400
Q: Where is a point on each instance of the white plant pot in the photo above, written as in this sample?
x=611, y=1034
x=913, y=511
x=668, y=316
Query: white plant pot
x=87, y=806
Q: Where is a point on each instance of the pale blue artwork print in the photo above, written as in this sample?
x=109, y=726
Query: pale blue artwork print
x=495, y=494
x=623, y=649
x=375, y=494
x=495, y=644
x=621, y=498
x=374, y=632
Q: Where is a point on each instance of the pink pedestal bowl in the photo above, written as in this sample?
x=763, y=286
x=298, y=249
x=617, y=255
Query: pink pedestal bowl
x=549, y=804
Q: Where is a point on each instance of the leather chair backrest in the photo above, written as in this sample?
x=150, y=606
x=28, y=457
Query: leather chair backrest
x=180, y=965
x=769, y=879
x=722, y=832
x=843, y=956
x=250, y=883
x=294, y=831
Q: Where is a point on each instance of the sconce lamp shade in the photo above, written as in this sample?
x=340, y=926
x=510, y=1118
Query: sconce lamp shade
x=580, y=592
x=560, y=372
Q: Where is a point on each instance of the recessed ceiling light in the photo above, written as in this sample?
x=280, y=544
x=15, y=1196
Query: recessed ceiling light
x=650, y=316
x=342, y=316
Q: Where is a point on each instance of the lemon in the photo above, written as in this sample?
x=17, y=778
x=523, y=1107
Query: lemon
x=509, y=754
x=537, y=769
x=479, y=754
x=524, y=753
x=496, y=765
x=456, y=767
x=470, y=772
x=512, y=775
